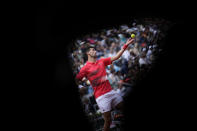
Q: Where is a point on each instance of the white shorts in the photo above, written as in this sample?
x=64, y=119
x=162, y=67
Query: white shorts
x=108, y=101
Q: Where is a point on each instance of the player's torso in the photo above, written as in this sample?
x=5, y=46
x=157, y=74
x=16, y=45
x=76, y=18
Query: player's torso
x=96, y=73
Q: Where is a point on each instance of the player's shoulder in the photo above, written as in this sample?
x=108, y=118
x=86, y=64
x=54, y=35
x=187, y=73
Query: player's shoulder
x=100, y=60
x=103, y=58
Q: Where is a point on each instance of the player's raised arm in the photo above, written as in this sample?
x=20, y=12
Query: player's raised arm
x=119, y=54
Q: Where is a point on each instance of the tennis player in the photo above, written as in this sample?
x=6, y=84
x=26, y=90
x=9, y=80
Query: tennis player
x=94, y=70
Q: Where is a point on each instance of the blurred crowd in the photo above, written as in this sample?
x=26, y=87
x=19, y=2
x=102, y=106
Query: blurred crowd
x=124, y=72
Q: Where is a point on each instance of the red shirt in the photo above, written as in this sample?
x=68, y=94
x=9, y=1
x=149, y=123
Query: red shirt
x=95, y=72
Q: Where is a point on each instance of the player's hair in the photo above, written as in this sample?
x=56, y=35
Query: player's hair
x=88, y=48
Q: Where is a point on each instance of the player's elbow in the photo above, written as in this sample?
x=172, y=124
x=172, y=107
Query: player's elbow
x=77, y=80
x=114, y=58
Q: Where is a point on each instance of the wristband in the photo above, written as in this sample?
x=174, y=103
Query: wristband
x=125, y=46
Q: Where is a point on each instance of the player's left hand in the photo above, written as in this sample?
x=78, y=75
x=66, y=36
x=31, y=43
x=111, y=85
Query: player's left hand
x=129, y=41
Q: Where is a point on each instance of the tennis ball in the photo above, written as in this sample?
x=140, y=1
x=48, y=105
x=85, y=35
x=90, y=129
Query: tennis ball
x=132, y=35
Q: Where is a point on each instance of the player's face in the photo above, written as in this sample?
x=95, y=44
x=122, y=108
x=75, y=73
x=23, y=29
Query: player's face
x=92, y=52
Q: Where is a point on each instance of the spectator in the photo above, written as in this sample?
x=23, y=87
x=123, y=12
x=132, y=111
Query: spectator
x=126, y=55
x=143, y=60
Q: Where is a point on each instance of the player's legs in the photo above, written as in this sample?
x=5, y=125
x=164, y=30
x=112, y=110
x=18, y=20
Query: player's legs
x=107, y=119
x=105, y=106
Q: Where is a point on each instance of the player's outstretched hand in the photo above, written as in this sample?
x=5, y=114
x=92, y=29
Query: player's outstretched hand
x=129, y=41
